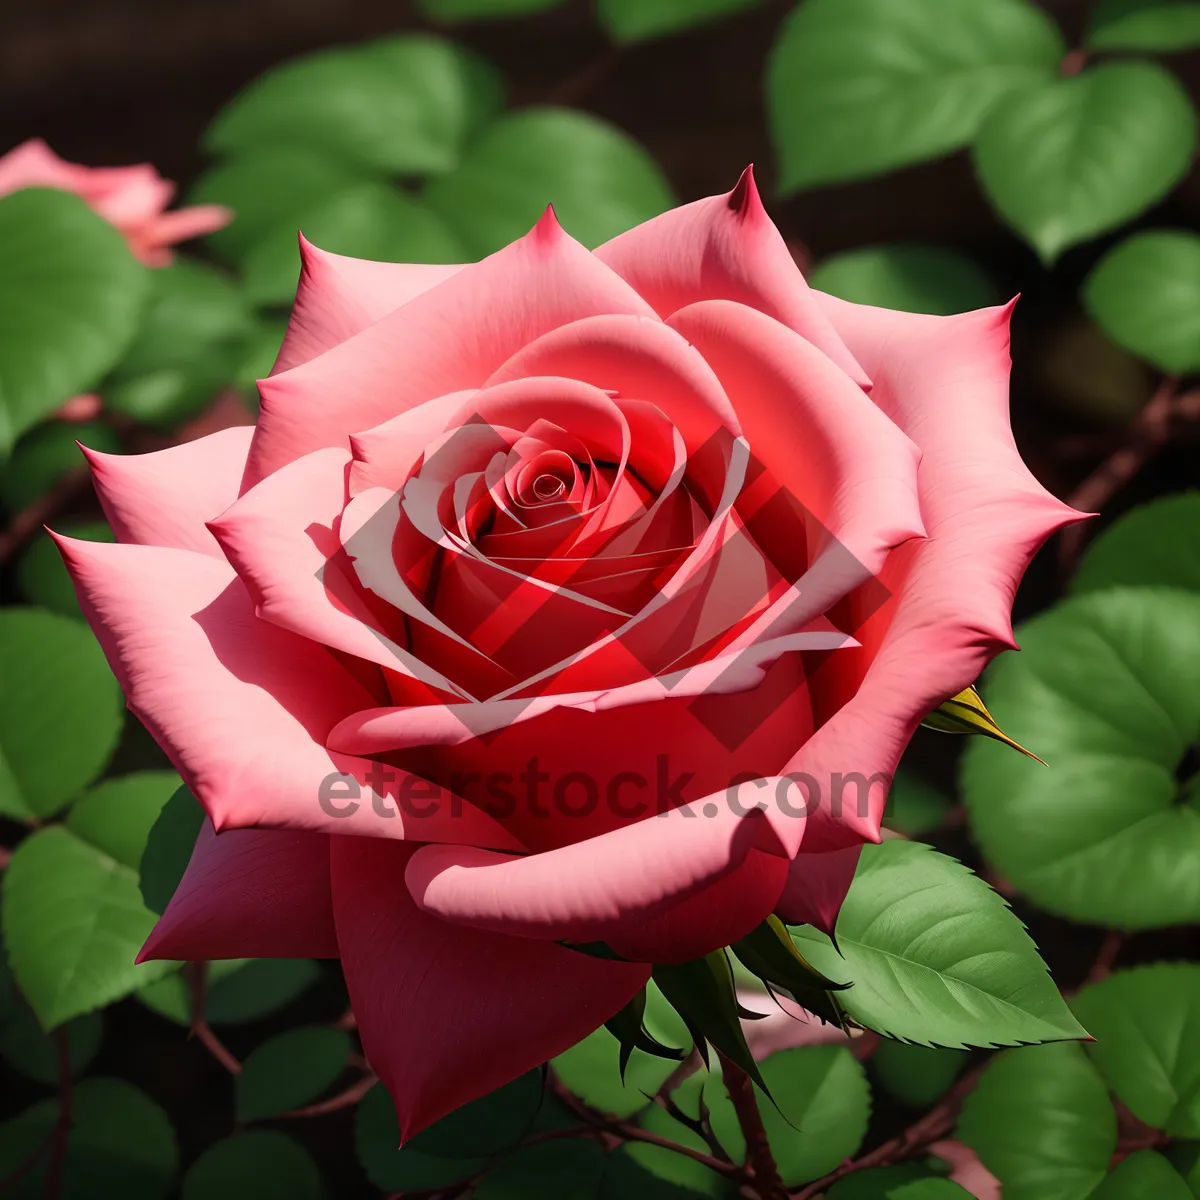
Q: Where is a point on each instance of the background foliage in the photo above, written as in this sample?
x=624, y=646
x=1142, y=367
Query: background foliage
x=932, y=155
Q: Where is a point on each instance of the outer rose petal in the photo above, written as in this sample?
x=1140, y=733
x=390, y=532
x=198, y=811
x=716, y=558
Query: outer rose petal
x=338, y=297
x=944, y=380
x=724, y=248
x=817, y=886
x=448, y=1013
x=249, y=893
x=447, y=339
x=241, y=707
x=165, y=498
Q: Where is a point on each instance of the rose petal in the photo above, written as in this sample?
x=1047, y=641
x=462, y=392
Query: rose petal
x=817, y=886
x=249, y=893
x=449, y=338
x=727, y=248
x=446, y=1013
x=241, y=707
x=165, y=498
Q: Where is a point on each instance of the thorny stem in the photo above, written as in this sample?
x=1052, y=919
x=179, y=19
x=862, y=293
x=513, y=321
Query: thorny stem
x=197, y=976
x=62, y=1127
x=760, y=1163
x=346, y=1098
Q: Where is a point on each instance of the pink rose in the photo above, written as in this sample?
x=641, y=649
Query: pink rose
x=134, y=199
x=521, y=553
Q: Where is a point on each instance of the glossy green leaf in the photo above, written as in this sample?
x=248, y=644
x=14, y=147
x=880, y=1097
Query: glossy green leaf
x=640, y=20
x=1151, y=26
x=261, y=1164
x=396, y=1168
x=289, y=1070
x=858, y=87
x=121, y=1144
x=73, y=923
x=60, y=711
x=186, y=348
x=1071, y=159
x=70, y=296
x=819, y=1118
x=599, y=180
x=403, y=104
x=117, y=815
x=571, y=1169
x=239, y=990
x=1145, y=294
x=915, y=1075
x=490, y=1125
x=1185, y=1158
x=1104, y=688
x=370, y=220
x=41, y=574
x=1146, y=1022
x=935, y=956
x=168, y=850
x=914, y=806
x=1154, y=544
x=908, y=277
x=27, y=1048
x=47, y=453
x=454, y=11
x=878, y=1183
x=929, y=1189
x=1144, y=1175
x=590, y=1070
x=1041, y=1122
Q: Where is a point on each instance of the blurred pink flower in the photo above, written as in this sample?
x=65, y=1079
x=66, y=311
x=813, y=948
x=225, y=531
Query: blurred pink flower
x=134, y=199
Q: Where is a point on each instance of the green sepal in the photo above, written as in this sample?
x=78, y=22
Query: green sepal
x=628, y=1029
x=967, y=713
x=770, y=953
x=702, y=992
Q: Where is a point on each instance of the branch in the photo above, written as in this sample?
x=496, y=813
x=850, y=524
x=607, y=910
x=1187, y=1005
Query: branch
x=760, y=1162
x=344, y=1099
x=62, y=1127
x=197, y=975
x=31, y=518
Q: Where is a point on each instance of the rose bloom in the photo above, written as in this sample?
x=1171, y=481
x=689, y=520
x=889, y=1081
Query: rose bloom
x=134, y=199
x=503, y=628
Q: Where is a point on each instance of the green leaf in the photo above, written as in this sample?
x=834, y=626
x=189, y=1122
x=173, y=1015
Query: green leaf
x=914, y=806
x=1104, y=689
x=571, y=1169
x=487, y=1126
x=639, y=20
x=859, y=87
x=1146, y=1022
x=73, y=923
x=117, y=815
x=403, y=104
x=906, y=276
x=369, y=220
x=599, y=180
x=261, y=1164
x=69, y=302
x=60, y=714
x=453, y=11
x=1076, y=157
x=120, y=1144
x=1144, y=1175
x=878, y=1183
x=26, y=1047
x=43, y=578
x=936, y=957
x=1041, y=1122
x=46, y=453
x=239, y=990
x=929, y=1189
x=1151, y=26
x=590, y=1070
x=1154, y=544
x=186, y=349
x=289, y=1070
x=1145, y=293
x=823, y=1106
x=169, y=846
x=915, y=1075
x=403, y=1169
